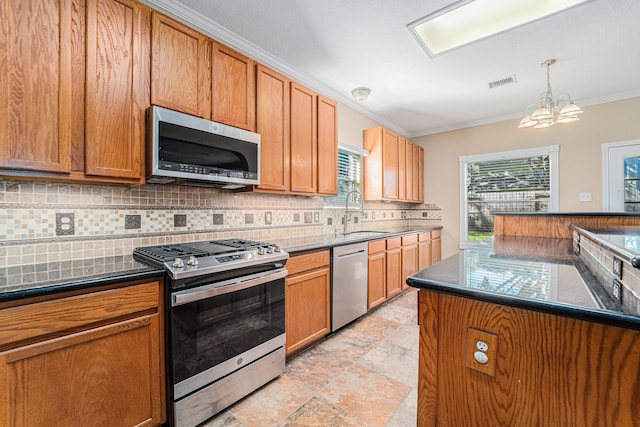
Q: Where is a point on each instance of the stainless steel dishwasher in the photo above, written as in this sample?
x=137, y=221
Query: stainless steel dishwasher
x=349, y=283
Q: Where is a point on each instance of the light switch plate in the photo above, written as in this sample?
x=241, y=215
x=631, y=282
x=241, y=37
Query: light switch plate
x=585, y=196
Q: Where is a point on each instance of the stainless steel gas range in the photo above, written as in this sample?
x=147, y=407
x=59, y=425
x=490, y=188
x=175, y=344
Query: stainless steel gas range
x=225, y=321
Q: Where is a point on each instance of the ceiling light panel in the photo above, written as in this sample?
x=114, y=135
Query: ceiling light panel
x=467, y=21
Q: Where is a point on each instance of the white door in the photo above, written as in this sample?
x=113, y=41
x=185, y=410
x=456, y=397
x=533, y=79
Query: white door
x=621, y=176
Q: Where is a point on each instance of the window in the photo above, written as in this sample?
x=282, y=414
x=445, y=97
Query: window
x=513, y=181
x=349, y=175
x=632, y=184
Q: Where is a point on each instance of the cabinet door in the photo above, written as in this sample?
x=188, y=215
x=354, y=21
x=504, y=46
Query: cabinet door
x=416, y=173
x=408, y=171
x=118, y=84
x=420, y=174
x=234, y=91
x=35, y=84
x=308, y=308
x=402, y=156
x=424, y=254
x=389, y=165
x=436, y=249
x=180, y=67
x=327, y=146
x=409, y=262
x=105, y=376
x=394, y=272
x=304, y=139
x=377, y=279
x=272, y=123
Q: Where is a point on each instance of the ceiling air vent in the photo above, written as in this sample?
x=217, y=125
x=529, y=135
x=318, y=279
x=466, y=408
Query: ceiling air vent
x=503, y=82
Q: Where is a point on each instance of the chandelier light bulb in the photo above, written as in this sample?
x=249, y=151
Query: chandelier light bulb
x=549, y=112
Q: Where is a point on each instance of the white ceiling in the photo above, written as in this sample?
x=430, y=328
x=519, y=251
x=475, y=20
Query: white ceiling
x=334, y=46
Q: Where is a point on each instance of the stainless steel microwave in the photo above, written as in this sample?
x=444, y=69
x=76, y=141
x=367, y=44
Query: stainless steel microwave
x=190, y=150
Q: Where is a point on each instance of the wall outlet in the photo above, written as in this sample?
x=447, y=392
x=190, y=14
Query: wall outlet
x=316, y=217
x=617, y=267
x=482, y=351
x=267, y=218
x=617, y=291
x=65, y=224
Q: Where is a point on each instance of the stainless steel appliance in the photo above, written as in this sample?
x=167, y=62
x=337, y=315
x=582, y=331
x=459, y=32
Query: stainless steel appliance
x=189, y=150
x=225, y=321
x=349, y=283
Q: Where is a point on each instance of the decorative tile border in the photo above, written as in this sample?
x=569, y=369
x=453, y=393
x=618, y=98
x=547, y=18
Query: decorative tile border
x=112, y=220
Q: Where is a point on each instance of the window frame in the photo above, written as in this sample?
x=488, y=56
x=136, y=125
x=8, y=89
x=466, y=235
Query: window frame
x=551, y=151
x=338, y=201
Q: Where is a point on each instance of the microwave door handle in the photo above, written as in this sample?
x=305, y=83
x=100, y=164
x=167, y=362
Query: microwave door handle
x=219, y=288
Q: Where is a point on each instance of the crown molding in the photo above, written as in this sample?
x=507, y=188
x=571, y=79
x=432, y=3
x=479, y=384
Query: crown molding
x=582, y=103
x=218, y=32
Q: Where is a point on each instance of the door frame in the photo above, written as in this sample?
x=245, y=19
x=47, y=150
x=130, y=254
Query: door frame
x=605, y=167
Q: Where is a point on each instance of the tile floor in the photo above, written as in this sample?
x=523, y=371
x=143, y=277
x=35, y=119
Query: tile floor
x=365, y=374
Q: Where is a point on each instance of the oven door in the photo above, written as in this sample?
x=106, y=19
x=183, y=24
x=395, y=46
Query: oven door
x=220, y=327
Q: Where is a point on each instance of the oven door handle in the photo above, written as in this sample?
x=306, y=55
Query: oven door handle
x=219, y=288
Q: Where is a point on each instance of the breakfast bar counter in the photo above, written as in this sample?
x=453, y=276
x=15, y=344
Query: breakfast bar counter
x=524, y=330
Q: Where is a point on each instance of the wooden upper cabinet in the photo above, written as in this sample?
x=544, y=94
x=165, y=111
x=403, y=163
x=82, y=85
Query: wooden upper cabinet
x=304, y=139
x=272, y=123
x=417, y=177
x=381, y=165
x=408, y=171
x=234, y=99
x=402, y=155
x=327, y=146
x=118, y=33
x=180, y=67
x=390, y=162
x=35, y=84
x=420, y=174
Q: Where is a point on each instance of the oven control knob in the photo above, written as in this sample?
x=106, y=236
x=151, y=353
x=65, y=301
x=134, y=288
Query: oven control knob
x=178, y=263
x=261, y=250
x=269, y=249
x=276, y=249
x=192, y=261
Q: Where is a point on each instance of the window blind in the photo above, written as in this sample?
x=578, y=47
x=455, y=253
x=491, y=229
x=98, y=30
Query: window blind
x=349, y=177
x=509, y=185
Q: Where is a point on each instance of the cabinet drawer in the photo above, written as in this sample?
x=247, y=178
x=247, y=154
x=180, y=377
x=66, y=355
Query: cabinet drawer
x=394, y=243
x=73, y=313
x=435, y=234
x=377, y=246
x=410, y=239
x=424, y=237
x=308, y=261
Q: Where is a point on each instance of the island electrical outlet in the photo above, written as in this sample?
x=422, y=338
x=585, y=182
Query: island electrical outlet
x=482, y=350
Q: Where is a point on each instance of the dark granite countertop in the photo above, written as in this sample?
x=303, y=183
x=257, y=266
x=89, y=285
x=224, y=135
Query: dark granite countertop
x=308, y=243
x=33, y=280
x=533, y=273
x=49, y=278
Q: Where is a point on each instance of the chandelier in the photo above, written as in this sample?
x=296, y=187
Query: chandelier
x=550, y=112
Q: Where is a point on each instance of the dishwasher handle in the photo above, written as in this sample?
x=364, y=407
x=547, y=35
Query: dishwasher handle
x=350, y=254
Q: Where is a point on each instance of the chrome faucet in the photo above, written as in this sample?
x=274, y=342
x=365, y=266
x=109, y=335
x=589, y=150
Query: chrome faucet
x=347, y=212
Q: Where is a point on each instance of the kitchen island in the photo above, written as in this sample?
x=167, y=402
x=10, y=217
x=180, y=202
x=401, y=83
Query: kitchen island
x=519, y=332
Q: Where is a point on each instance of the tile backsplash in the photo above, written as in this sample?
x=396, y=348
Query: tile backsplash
x=45, y=222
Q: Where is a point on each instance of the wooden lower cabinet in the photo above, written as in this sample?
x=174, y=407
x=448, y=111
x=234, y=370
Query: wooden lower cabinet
x=409, y=257
x=307, y=299
x=90, y=359
x=377, y=274
x=394, y=266
x=436, y=246
x=424, y=250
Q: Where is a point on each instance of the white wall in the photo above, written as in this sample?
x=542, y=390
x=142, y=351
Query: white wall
x=580, y=157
